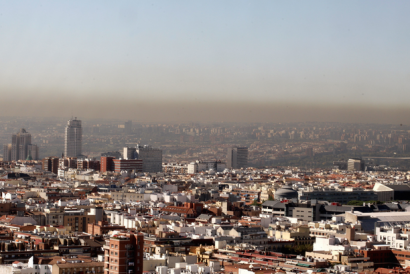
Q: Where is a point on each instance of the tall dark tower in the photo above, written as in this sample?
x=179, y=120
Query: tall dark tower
x=19, y=145
x=73, y=138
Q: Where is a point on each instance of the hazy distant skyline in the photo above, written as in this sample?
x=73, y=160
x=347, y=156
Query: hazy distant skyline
x=326, y=54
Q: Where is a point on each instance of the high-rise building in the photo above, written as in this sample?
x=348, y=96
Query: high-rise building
x=7, y=152
x=107, y=164
x=88, y=164
x=51, y=164
x=68, y=162
x=355, y=165
x=20, y=147
x=237, y=157
x=32, y=152
x=124, y=254
x=128, y=127
x=73, y=138
x=129, y=153
x=151, y=158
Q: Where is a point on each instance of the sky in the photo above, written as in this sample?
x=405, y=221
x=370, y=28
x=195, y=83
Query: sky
x=157, y=58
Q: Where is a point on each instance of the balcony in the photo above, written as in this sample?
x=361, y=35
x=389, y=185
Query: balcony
x=362, y=265
x=358, y=259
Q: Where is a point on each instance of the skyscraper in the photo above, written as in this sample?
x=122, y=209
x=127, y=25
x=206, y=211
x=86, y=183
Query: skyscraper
x=20, y=147
x=7, y=152
x=128, y=127
x=73, y=138
x=237, y=157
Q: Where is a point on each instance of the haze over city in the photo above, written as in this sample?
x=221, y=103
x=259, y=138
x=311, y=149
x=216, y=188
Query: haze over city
x=204, y=137
x=169, y=61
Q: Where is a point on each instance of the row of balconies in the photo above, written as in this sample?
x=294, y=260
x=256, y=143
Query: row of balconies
x=355, y=259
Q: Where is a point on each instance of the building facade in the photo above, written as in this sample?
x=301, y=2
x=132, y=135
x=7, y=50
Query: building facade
x=77, y=219
x=355, y=165
x=107, y=164
x=73, y=138
x=20, y=148
x=124, y=254
x=7, y=152
x=237, y=157
x=199, y=166
x=51, y=164
x=342, y=196
x=127, y=165
x=129, y=153
x=151, y=158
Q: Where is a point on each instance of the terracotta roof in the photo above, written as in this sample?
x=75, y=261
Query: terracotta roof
x=177, y=209
x=6, y=218
x=75, y=265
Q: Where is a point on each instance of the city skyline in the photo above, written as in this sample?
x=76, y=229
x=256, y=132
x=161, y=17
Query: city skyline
x=213, y=137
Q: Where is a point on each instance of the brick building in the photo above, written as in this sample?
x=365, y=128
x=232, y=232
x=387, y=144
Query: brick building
x=51, y=164
x=77, y=219
x=102, y=228
x=107, y=164
x=127, y=165
x=124, y=254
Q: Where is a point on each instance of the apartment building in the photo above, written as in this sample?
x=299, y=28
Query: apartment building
x=124, y=254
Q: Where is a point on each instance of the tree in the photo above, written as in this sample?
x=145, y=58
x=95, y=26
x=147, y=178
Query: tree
x=355, y=202
x=360, y=203
x=255, y=203
x=298, y=249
